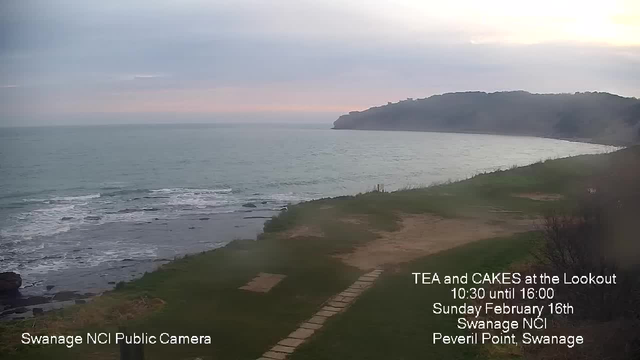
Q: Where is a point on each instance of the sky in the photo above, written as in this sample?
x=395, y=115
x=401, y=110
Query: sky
x=90, y=62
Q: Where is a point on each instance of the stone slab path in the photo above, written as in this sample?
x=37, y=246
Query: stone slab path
x=263, y=282
x=335, y=305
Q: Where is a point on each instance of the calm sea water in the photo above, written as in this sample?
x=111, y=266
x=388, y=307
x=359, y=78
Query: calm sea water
x=83, y=207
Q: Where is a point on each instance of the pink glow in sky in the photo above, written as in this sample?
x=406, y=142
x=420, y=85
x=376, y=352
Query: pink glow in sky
x=301, y=57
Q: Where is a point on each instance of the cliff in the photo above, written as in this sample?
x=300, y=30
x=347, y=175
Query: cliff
x=592, y=116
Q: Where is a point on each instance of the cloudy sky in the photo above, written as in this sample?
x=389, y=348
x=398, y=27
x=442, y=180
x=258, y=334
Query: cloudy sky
x=85, y=61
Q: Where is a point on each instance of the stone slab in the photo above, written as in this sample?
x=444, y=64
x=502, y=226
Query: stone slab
x=263, y=282
x=301, y=333
x=337, y=304
x=326, y=313
x=283, y=349
x=359, y=286
x=331, y=308
x=311, y=326
x=291, y=342
x=274, y=355
x=318, y=320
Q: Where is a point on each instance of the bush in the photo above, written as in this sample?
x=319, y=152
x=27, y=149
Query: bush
x=601, y=237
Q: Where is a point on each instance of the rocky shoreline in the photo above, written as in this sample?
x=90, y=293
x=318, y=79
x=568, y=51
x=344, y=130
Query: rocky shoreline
x=25, y=297
x=15, y=306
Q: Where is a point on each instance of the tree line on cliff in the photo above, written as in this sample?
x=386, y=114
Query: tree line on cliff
x=590, y=116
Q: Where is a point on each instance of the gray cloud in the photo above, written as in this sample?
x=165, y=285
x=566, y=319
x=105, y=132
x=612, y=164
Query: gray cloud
x=62, y=52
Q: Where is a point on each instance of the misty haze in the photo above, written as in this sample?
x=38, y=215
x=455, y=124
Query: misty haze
x=269, y=179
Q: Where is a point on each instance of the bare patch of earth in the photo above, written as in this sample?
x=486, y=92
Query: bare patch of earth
x=426, y=234
x=540, y=196
x=263, y=282
x=303, y=231
x=356, y=220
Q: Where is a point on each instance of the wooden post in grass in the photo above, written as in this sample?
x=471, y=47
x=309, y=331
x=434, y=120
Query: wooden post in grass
x=137, y=352
x=130, y=351
x=124, y=349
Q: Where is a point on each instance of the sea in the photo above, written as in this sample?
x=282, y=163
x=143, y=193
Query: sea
x=82, y=208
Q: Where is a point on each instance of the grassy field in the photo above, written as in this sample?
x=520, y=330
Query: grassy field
x=394, y=320
x=199, y=294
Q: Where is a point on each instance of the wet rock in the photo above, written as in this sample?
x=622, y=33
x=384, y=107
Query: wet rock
x=10, y=282
x=65, y=296
x=80, y=301
x=249, y=205
x=205, y=218
x=49, y=287
x=92, y=217
x=37, y=311
x=19, y=302
x=20, y=310
x=111, y=283
x=191, y=227
x=264, y=202
x=65, y=218
x=27, y=301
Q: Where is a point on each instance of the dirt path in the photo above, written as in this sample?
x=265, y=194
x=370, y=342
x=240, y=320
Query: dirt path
x=425, y=234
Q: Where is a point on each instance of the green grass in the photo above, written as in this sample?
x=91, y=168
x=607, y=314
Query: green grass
x=568, y=177
x=202, y=298
x=394, y=319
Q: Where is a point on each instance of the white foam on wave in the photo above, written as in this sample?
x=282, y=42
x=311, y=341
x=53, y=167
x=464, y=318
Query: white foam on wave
x=61, y=199
x=42, y=222
x=74, y=198
x=199, y=198
x=119, y=253
x=35, y=200
x=290, y=197
x=43, y=265
x=48, y=220
x=198, y=201
x=47, y=266
x=193, y=191
x=136, y=216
